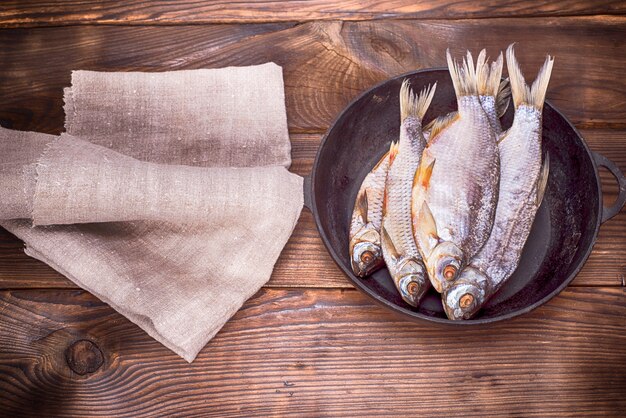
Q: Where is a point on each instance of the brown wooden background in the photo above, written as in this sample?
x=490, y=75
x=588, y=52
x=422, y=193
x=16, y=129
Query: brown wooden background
x=308, y=344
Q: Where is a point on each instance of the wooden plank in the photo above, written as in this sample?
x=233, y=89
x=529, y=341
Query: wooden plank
x=305, y=262
x=41, y=13
x=326, y=64
x=315, y=353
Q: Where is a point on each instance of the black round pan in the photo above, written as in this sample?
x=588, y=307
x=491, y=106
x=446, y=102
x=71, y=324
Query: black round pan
x=561, y=239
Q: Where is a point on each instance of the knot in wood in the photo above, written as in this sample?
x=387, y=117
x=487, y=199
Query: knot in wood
x=84, y=357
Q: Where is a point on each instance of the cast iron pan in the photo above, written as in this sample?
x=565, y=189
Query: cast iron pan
x=562, y=236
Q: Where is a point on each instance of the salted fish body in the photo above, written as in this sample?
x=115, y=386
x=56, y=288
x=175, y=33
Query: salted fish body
x=400, y=251
x=365, y=247
x=455, y=191
x=523, y=179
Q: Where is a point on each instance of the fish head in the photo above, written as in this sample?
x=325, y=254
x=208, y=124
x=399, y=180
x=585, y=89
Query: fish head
x=412, y=281
x=467, y=295
x=444, y=265
x=367, y=255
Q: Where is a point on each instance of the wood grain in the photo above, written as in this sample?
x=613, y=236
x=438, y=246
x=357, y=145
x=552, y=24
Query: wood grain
x=326, y=64
x=305, y=263
x=317, y=353
x=38, y=12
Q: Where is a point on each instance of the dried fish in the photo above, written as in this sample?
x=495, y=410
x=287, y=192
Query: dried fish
x=523, y=180
x=365, y=249
x=455, y=190
x=400, y=251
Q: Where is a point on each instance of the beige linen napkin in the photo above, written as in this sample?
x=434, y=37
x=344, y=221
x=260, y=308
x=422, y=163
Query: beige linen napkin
x=168, y=197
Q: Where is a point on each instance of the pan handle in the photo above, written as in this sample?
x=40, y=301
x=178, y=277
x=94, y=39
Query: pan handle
x=307, y=192
x=602, y=161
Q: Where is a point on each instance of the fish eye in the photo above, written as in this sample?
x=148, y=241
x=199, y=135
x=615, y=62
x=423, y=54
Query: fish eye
x=413, y=288
x=367, y=257
x=466, y=300
x=449, y=272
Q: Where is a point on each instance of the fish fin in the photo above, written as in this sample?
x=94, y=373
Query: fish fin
x=436, y=126
x=522, y=94
x=540, y=85
x=422, y=175
x=412, y=105
x=492, y=86
x=387, y=243
x=470, y=69
x=464, y=83
x=424, y=99
x=482, y=72
x=542, y=182
x=425, y=228
x=488, y=76
x=479, y=79
x=381, y=161
x=416, y=177
x=361, y=205
x=503, y=98
x=421, y=179
x=408, y=101
x=393, y=151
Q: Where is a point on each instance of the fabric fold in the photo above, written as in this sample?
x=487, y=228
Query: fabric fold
x=80, y=182
x=168, y=198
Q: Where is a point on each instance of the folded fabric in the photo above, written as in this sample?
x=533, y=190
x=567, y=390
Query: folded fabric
x=168, y=197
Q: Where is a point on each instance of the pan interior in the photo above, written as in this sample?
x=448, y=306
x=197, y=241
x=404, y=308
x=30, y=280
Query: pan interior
x=564, y=228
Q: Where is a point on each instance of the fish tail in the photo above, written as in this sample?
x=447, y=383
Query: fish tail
x=464, y=82
x=503, y=98
x=540, y=85
x=492, y=87
x=471, y=79
x=535, y=95
x=412, y=105
x=488, y=76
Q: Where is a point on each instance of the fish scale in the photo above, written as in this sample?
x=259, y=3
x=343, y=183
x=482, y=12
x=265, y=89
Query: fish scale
x=520, y=152
x=462, y=191
x=399, y=185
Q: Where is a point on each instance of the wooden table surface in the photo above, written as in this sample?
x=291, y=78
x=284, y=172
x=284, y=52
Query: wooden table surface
x=309, y=344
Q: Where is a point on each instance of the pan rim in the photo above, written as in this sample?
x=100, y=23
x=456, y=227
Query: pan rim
x=418, y=316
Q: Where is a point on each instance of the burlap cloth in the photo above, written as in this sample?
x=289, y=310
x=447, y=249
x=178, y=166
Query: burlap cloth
x=168, y=197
